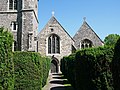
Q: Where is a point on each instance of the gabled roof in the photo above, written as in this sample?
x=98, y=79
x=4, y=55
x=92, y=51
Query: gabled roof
x=85, y=26
x=52, y=21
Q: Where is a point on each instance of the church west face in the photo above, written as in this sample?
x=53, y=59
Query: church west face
x=54, y=41
x=21, y=18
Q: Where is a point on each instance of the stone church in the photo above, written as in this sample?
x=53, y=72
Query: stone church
x=55, y=42
x=21, y=18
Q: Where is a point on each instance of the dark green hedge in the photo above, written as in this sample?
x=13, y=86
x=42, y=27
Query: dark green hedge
x=93, y=69
x=45, y=70
x=6, y=62
x=89, y=69
x=29, y=69
x=68, y=68
x=115, y=66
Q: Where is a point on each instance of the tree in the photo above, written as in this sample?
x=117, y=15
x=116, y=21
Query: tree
x=6, y=61
x=111, y=39
x=115, y=66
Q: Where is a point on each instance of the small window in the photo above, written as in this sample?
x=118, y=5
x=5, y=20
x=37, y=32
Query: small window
x=30, y=36
x=12, y=4
x=35, y=38
x=35, y=6
x=52, y=29
x=14, y=26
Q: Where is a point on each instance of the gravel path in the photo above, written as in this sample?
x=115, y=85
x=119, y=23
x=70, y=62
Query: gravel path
x=56, y=82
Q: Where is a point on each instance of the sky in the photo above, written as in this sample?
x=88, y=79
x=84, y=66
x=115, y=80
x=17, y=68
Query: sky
x=103, y=16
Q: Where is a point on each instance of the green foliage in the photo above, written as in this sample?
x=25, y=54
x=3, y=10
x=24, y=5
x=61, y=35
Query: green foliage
x=115, y=66
x=29, y=70
x=111, y=39
x=93, y=69
x=68, y=68
x=89, y=69
x=6, y=62
x=45, y=70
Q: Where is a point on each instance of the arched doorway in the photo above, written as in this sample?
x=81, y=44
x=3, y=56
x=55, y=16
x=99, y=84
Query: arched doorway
x=54, y=65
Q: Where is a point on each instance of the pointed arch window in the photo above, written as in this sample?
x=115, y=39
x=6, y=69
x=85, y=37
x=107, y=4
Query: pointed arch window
x=53, y=44
x=12, y=4
x=86, y=43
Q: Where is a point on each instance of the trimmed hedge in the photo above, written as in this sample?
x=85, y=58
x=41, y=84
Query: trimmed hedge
x=115, y=66
x=45, y=70
x=68, y=68
x=93, y=69
x=89, y=69
x=29, y=68
x=6, y=62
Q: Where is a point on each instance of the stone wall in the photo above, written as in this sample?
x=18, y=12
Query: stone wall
x=65, y=40
x=3, y=5
x=5, y=21
x=86, y=32
x=29, y=24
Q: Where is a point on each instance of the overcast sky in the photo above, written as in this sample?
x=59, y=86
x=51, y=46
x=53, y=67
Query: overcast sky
x=102, y=15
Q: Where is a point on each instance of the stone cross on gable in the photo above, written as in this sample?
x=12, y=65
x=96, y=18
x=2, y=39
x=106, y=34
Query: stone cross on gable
x=84, y=18
x=53, y=13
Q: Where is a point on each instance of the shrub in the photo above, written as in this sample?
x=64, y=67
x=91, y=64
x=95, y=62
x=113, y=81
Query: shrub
x=68, y=68
x=115, y=66
x=89, y=69
x=28, y=70
x=111, y=39
x=45, y=70
x=93, y=69
x=6, y=62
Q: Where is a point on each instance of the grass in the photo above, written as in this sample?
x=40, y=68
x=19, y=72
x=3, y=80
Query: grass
x=68, y=86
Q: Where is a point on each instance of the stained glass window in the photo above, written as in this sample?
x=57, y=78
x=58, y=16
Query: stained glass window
x=53, y=44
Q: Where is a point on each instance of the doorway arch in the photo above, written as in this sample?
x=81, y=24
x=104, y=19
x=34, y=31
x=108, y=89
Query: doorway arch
x=54, y=65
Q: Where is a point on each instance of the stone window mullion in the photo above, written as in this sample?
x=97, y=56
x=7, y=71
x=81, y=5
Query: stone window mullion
x=16, y=26
x=51, y=44
x=55, y=44
x=8, y=4
x=88, y=45
x=13, y=4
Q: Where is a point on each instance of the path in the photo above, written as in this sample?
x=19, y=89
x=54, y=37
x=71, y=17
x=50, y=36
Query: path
x=57, y=82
